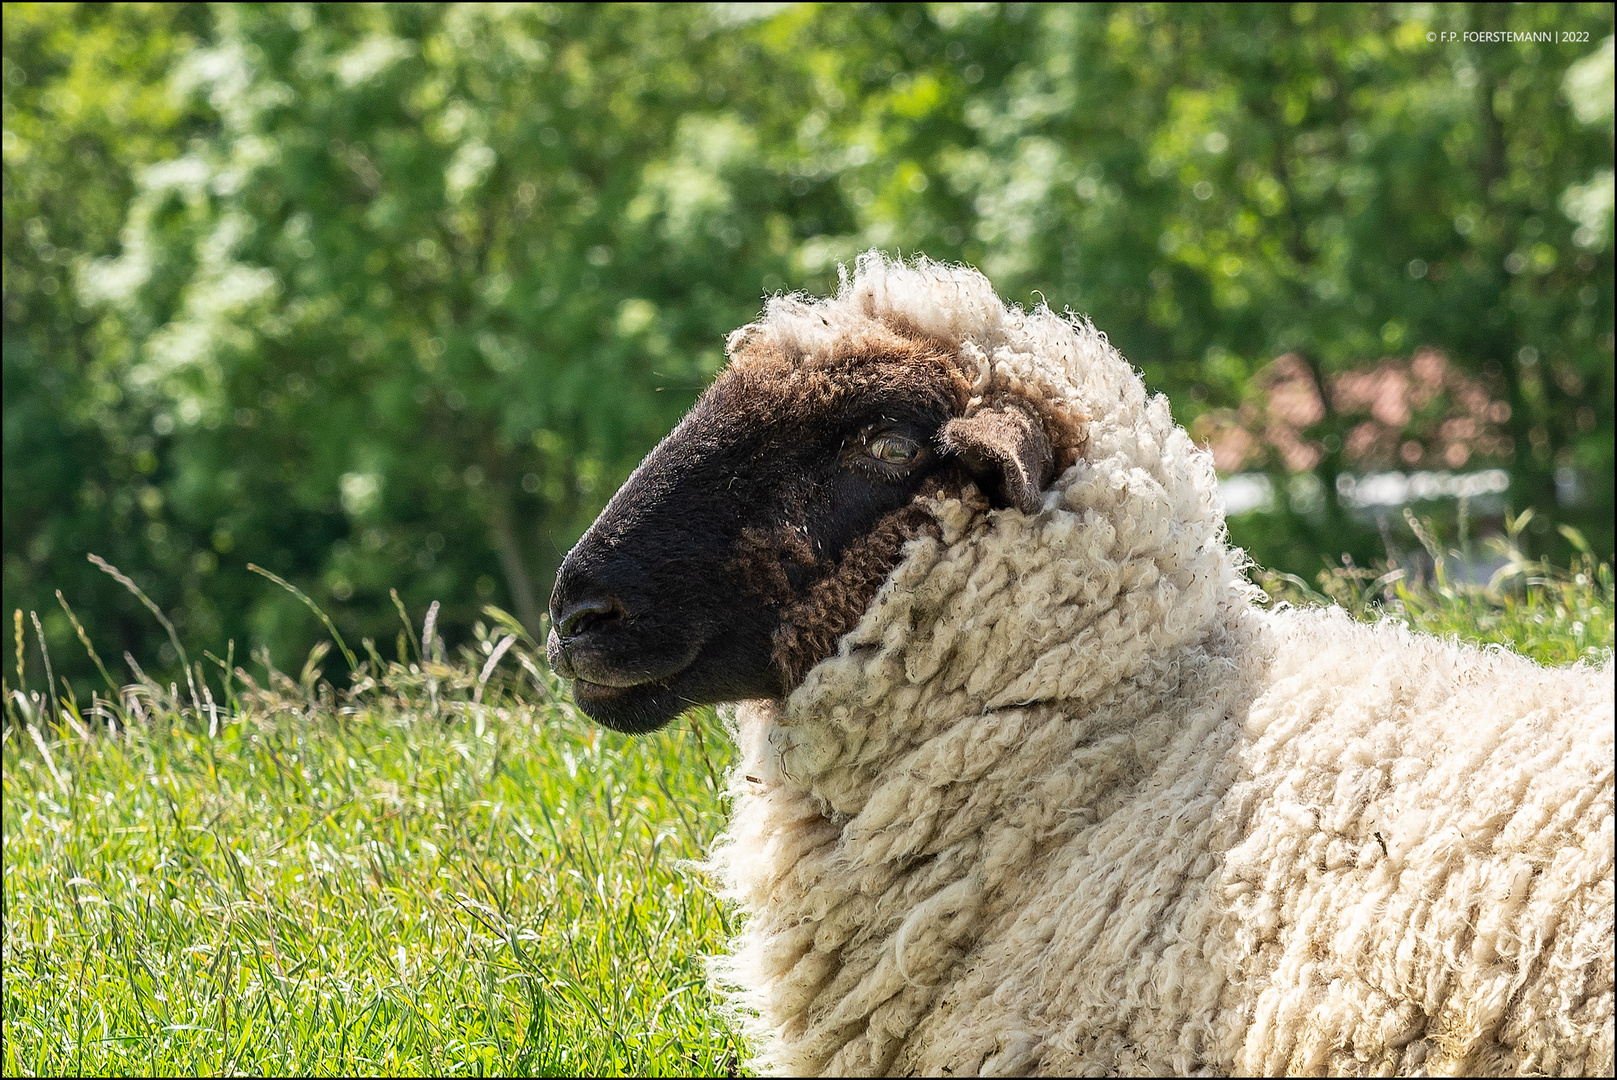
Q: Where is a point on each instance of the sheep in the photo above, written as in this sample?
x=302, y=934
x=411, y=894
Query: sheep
x=1027, y=780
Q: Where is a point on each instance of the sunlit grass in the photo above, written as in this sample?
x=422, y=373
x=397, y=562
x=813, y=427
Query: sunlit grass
x=369, y=885
x=1554, y=614
x=443, y=869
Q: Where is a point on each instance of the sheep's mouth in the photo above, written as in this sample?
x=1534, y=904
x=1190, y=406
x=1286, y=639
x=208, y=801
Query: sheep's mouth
x=635, y=709
x=646, y=695
x=605, y=691
x=615, y=662
x=630, y=682
x=601, y=680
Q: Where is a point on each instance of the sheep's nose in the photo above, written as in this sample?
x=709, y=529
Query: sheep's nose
x=580, y=615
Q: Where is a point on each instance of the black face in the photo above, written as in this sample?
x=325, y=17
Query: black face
x=674, y=596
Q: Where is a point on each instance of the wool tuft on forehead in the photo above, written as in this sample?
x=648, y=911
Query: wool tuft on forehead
x=950, y=305
x=1058, y=366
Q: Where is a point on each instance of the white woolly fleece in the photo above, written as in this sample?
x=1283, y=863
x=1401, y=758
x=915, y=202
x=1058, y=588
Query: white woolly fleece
x=1065, y=803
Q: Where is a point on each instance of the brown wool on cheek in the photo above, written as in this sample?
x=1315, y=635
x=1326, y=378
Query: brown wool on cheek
x=811, y=627
x=1065, y=430
x=767, y=379
x=761, y=558
x=765, y=382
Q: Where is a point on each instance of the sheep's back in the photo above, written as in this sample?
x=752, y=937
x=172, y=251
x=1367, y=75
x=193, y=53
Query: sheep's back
x=1425, y=881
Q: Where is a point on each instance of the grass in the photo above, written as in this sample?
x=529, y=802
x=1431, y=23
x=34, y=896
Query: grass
x=430, y=875
x=1552, y=614
x=443, y=869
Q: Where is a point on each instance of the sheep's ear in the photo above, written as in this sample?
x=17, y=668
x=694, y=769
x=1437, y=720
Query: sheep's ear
x=1007, y=450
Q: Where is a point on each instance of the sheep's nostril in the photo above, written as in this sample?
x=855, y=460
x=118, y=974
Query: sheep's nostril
x=580, y=616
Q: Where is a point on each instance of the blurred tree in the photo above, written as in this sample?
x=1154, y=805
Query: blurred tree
x=86, y=106
x=409, y=289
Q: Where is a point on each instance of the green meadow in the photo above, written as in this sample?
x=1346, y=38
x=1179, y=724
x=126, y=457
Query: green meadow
x=432, y=863
x=444, y=869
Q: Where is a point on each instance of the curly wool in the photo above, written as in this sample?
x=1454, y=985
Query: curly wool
x=1064, y=802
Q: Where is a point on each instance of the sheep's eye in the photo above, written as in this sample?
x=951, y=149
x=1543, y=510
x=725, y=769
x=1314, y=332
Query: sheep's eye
x=894, y=449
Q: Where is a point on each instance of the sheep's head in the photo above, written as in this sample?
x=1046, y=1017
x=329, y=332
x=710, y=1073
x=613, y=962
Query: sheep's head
x=755, y=535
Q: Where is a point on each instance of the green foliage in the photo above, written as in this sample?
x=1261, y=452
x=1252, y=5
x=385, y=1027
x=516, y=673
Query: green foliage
x=399, y=294
x=448, y=871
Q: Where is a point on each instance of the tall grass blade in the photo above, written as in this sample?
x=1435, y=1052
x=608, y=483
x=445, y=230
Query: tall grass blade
x=174, y=639
x=50, y=762
x=22, y=678
x=84, y=639
x=427, y=630
x=145, y=680
x=348, y=654
x=213, y=712
x=228, y=667
x=1575, y=538
x=488, y=668
x=404, y=617
x=311, y=669
x=50, y=676
x=510, y=624
x=369, y=644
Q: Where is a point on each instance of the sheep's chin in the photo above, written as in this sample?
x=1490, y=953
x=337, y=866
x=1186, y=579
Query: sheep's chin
x=633, y=710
